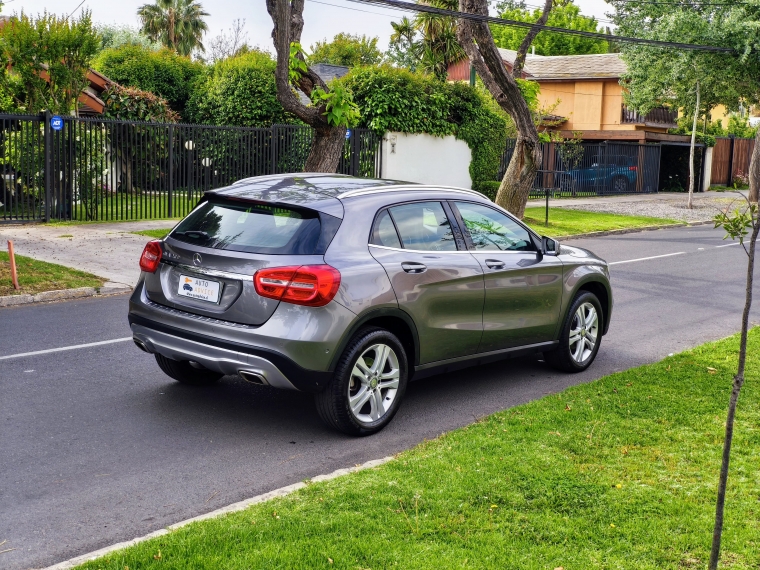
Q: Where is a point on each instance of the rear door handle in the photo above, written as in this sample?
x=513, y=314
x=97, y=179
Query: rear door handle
x=495, y=264
x=413, y=267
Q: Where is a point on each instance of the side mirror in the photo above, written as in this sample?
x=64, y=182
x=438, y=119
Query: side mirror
x=549, y=246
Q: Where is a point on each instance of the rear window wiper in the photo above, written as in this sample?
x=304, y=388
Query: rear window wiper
x=195, y=234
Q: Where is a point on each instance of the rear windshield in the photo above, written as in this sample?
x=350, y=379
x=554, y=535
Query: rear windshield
x=256, y=228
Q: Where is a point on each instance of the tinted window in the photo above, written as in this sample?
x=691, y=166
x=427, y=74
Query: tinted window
x=252, y=228
x=383, y=232
x=492, y=230
x=423, y=226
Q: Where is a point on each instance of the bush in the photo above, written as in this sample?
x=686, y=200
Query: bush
x=488, y=188
x=161, y=72
x=129, y=104
x=392, y=99
x=238, y=91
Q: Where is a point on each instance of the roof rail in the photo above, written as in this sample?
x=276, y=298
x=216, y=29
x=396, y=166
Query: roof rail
x=407, y=188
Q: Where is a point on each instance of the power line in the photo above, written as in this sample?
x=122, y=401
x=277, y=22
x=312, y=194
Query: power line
x=408, y=6
x=74, y=10
x=348, y=8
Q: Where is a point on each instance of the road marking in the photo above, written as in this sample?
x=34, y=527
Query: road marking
x=646, y=258
x=233, y=508
x=64, y=348
x=727, y=245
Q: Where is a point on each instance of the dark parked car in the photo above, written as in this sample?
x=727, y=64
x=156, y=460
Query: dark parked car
x=349, y=288
x=607, y=174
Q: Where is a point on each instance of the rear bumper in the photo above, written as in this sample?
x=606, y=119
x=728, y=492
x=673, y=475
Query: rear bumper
x=225, y=357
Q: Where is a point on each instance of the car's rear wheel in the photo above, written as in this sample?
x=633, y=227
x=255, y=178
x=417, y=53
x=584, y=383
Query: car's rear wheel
x=186, y=373
x=368, y=385
x=581, y=335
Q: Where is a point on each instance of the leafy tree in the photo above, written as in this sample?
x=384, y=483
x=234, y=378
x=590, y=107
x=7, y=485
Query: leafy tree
x=238, y=91
x=291, y=70
x=565, y=14
x=403, y=48
x=161, y=72
x=346, y=49
x=116, y=36
x=48, y=60
x=176, y=24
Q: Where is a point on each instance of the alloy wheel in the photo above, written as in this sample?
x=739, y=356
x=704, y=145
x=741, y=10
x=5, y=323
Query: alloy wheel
x=374, y=383
x=583, y=332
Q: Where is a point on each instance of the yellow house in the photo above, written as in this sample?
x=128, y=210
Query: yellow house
x=583, y=93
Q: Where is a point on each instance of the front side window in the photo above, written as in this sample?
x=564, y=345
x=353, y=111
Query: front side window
x=251, y=227
x=491, y=230
x=423, y=226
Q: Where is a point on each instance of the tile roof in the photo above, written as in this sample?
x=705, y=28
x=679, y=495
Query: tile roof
x=596, y=66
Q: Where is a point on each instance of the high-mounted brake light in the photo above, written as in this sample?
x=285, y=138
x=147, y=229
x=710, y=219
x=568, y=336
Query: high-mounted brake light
x=151, y=256
x=310, y=285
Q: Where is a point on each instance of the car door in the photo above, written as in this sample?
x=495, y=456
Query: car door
x=523, y=287
x=435, y=278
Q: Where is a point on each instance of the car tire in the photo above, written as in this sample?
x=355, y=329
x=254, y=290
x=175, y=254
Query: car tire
x=365, y=393
x=569, y=355
x=620, y=185
x=186, y=373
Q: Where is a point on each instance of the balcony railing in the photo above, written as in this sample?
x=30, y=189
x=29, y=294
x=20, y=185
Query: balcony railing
x=660, y=116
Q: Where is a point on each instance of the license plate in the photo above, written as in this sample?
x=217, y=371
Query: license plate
x=201, y=289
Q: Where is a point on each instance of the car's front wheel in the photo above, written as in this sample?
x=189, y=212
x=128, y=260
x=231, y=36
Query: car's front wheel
x=368, y=385
x=186, y=373
x=581, y=335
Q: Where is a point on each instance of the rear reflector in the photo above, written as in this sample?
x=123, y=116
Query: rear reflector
x=151, y=256
x=310, y=285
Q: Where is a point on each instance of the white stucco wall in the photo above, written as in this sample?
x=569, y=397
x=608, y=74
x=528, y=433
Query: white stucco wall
x=707, y=169
x=426, y=159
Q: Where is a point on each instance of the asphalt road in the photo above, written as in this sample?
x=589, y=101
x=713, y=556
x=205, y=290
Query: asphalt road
x=97, y=446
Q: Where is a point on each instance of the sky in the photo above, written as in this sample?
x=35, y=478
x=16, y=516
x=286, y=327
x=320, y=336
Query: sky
x=323, y=18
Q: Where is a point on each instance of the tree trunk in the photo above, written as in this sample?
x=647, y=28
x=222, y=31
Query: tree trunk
x=477, y=41
x=325, y=153
x=691, y=152
x=326, y=150
x=737, y=386
x=754, y=171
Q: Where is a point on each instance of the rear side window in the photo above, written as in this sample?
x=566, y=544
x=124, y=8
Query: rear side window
x=257, y=228
x=423, y=226
x=384, y=232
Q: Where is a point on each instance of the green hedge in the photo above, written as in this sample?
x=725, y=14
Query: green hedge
x=238, y=91
x=392, y=99
x=162, y=72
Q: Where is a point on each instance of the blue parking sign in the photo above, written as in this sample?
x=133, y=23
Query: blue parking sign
x=56, y=123
x=348, y=133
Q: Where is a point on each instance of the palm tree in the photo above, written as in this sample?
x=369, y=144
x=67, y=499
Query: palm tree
x=439, y=46
x=177, y=24
x=403, y=49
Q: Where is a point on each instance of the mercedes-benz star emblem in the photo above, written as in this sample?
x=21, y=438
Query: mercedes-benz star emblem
x=197, y=259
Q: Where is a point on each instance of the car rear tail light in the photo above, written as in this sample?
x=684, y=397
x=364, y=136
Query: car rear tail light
x=310, y=285
x=634, y=168
x=151, y=256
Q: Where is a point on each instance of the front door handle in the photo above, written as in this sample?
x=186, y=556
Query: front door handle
x=494, y=264
x=413, y=267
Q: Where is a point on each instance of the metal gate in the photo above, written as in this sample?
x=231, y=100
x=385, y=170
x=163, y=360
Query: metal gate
x=593, y=169
x=96, y=169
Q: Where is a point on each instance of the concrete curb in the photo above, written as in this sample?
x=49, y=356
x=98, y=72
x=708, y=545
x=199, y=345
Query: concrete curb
x=234, y=507
x=635, y=230
x=108, y=288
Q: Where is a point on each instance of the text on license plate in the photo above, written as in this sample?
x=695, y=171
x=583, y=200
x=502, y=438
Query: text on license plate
x=195, y=288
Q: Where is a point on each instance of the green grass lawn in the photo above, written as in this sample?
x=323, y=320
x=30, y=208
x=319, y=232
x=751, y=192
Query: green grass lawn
x=154, y=234
x=619, y=473
x=36, y=276
x=563, y=222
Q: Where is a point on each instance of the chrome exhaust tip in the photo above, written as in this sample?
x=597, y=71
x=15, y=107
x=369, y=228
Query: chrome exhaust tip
x=254, y=377
x=141, y=345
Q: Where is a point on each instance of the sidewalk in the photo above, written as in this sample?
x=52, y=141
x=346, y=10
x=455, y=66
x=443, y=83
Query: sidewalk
x=669, y=205
x=106, y=250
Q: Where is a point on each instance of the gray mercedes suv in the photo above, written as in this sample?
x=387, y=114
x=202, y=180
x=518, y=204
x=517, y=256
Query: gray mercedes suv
x=349, y=288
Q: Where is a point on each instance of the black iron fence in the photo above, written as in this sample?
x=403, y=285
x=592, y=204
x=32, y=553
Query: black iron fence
x=94, y=169
x=593, y=169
